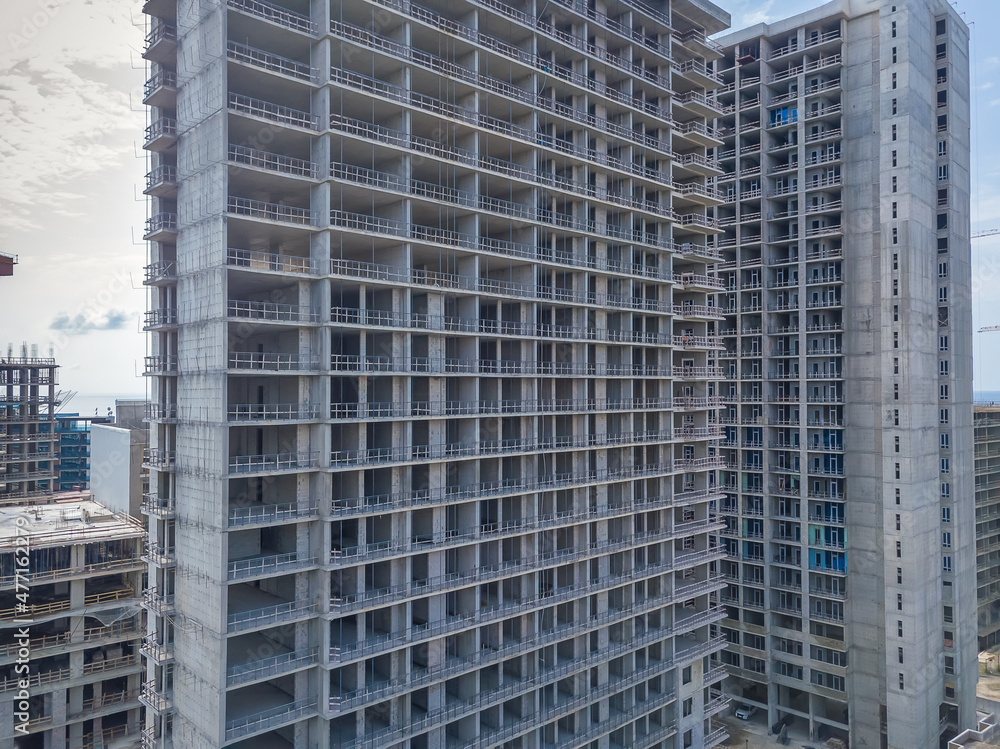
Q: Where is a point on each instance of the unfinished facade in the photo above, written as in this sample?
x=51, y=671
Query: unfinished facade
x=433, y=374
x=84, y=620
x=987, y=436
x=29, y=445
x=847, y=398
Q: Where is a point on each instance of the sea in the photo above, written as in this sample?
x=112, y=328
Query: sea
x=96, y=404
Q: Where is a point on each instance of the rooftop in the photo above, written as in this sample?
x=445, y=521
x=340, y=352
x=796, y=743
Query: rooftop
x=72, y=517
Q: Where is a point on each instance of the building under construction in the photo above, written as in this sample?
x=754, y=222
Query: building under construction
x=70, y=610
x=28, y=439
x=987, y=425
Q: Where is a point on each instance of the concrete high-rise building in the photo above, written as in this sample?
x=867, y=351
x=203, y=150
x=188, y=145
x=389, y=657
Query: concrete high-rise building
x=433, y=374
x=849, y=508
x=987, y=437
x=29, y=445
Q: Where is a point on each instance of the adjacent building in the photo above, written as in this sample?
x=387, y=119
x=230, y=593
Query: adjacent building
x=79, y=597
x=74, y=459
x=987, y=457
x=847, y=393
x=433, y=374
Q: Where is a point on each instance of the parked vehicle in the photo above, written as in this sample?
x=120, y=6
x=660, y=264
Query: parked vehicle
x=746, y=712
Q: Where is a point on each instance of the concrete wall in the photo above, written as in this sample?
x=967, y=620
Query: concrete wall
x=116, y=460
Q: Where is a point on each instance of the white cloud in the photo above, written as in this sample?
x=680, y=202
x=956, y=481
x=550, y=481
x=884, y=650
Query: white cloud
x=65, y=110
x=761, y=14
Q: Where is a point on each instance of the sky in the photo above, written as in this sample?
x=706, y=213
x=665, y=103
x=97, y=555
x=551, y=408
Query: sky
x=71, y=120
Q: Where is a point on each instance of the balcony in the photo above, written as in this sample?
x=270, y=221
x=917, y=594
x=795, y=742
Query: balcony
x=159, y=459
x=271, y=312
x=270, y=262
x=699, y=134
x=161, y=90
x=161, y=135
x=268, y=719
x=269, y=514
x=276, y=113
x=496, y=86
x=161, y=182
x=698, y=73
x=269, y=616
x=272, y=162
x=160, y=319
x=274, y=14
x=699, y=104
x=159, y=273
x=273, y=463
x=156, y=698
x=268, y=668
x=270, y=362
x=158, y=603
x=164, y=556
x=263, y=60
x=274, y=212
x=154, y=504
x=258, y=412
x=161, y=43
x=263, y=566
x=161, y=228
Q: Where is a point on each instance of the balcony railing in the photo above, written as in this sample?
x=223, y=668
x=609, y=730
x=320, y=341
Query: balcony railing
x=276, y=14
x=260, y=58
x=161, y=223
x=161, y=32
x=269, y=513
x=271, y=211
x=271, y=311
x=160, y=79
x=274, y=162
x=161, y=175
x=269, y=615
x=272, y=412
x=269, y=261
x=266, y=719
x=165, y=127
x=272, y=462
x=369, y=85
x=270, y=362
x=436, y=235
x=271, y=667
x=503, y=88
x=414, y=453
x=159, y=700
x=267, y=565
x=266, y=110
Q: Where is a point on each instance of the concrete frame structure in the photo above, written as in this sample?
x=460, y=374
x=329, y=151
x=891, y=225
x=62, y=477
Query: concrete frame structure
x=28, y=439
x=82, y=609
x=433, y=380
x=848, y=368
x=987, y=440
